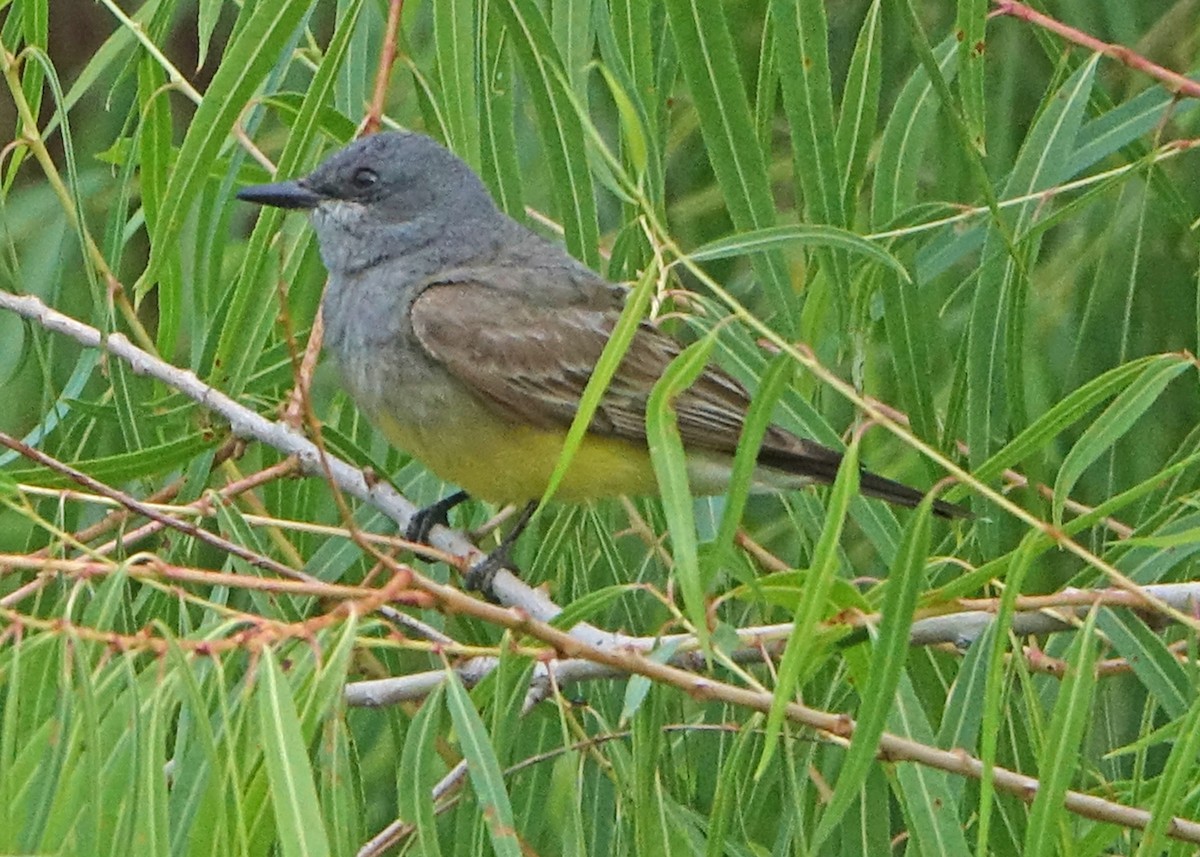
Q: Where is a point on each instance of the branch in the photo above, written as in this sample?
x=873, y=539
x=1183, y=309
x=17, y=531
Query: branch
x=893, y=748
x=245, y=423
x=1176, y=83
x=1035, y=615
x=534, y=609
x=1046, y=614
x=510, y=590
x=147, y=511
x=387, y=58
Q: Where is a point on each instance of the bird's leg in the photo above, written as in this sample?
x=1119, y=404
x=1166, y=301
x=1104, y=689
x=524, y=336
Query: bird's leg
x=433, y=515
x=479, y=576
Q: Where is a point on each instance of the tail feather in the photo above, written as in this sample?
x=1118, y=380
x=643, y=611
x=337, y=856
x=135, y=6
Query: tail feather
x=874, y=485
x=820, y=464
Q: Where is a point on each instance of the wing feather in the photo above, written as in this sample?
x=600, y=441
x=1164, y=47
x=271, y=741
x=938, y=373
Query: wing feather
x=530, y=363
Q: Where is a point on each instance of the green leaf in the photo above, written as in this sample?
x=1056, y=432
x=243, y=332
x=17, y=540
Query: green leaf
x=1156, y=667
x=560, y=126
x=813, y=607
x=908, y=131
x=125, y=466
x=571, y=24
x=907, y=320
x=54, y=413
x=671, y=469
x=730, y=785
x=638, y=686
x=633, y=129
x=1114, y=129
x=994, y=643
x=419, y=761
x=293, y=793
x=971, y=34
x=1068, y=724
x=483, y=767
x=498, y=155
x=328, y=687
x=1178, y=780
x=760, y=240
x=778, y=375
x=1111, y=426
x=244, y=65
x=923, y=792
x=1067, y=411
x=706, y=55
x=889, y=654
x=802, y=36
x=860, y=105
x=154, y=159
x=454, y=29
x=113, y=51
x=995, y=386
x=206, y=22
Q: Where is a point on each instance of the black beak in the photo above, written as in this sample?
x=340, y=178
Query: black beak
x=293, y=194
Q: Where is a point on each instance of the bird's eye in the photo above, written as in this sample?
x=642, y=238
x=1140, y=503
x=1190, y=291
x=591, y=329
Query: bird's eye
x=365, y=178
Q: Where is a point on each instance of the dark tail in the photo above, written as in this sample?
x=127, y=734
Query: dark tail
x=820, y=464
x=900, y=494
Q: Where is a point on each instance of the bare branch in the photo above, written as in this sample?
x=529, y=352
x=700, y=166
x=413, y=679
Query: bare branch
x=1176, y=83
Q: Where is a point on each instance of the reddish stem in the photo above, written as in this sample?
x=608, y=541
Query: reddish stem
x=1173, y=81
x=387, y=58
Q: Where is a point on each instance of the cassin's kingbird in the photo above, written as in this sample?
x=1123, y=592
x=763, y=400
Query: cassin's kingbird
x=468, y=339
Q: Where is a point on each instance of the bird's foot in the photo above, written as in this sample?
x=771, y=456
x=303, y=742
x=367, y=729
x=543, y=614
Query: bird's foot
x=434, y=515
x=481, y=576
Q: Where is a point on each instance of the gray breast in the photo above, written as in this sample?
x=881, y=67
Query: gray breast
x=368, y=333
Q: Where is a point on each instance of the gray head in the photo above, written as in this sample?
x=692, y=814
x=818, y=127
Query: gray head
x=388, y=195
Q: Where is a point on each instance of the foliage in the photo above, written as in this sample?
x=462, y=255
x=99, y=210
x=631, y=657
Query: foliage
x=847, y=205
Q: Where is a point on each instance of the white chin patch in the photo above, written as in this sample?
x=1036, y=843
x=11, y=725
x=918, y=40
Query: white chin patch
x=337, y=212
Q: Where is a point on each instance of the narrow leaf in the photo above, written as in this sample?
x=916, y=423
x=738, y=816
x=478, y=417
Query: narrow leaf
x=483, y=768
x=293, y=791
x=759, y=240
x=709, y=64
x=814, y=604
x=1069, y=722
x=1111, y=426
x=244, y=65
x=889, y=654
x=670, y=468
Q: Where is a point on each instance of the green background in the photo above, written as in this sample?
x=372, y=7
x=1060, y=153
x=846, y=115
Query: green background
x=1044, y=219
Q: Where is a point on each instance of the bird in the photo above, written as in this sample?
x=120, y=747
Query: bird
x=467, y=339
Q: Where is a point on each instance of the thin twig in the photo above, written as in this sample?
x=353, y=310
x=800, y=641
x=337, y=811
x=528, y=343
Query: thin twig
x=1174, y=82
x=133, y=504
x=304, y=373
x=249, y=632
x=1034, y=615
x=205, y=505
x=245, y=423
x=387, y=58
x=154, y=569
x=835, y=726
x=579, y=642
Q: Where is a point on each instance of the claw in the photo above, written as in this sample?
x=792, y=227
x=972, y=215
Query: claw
x=480, y=576
x=434, y=515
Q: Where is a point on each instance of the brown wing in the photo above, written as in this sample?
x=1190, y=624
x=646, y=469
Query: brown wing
x=531, y=363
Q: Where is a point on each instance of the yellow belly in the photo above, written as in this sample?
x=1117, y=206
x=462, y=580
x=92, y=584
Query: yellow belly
x=502, y=463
